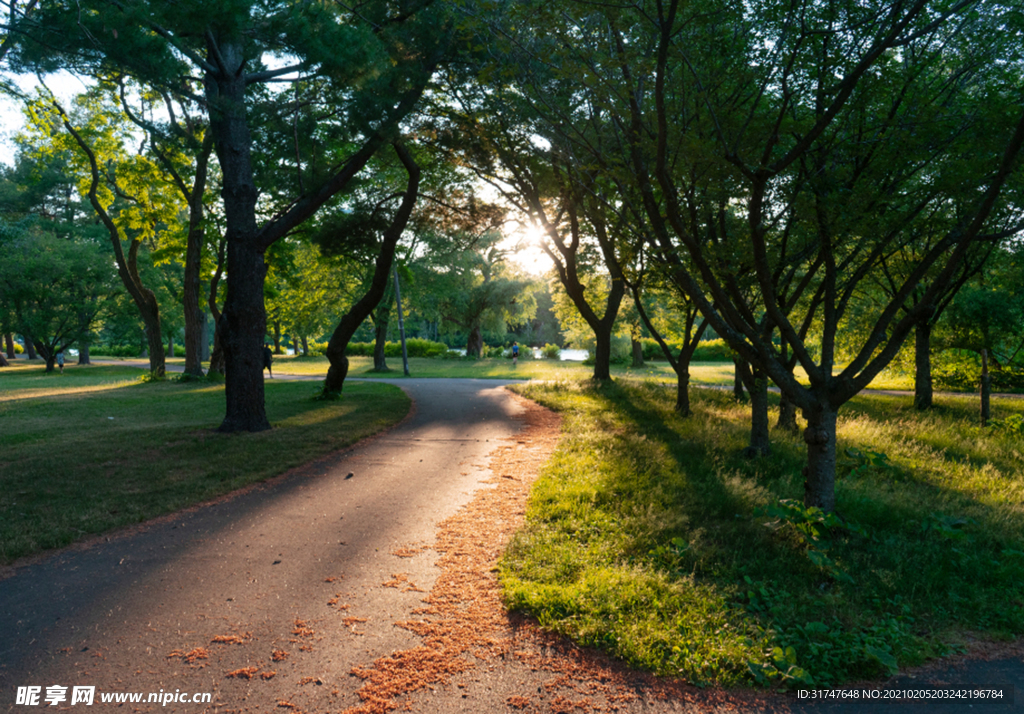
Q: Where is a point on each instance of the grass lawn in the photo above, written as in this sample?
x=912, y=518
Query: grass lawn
x=650, y=536
x=704, y=372
x=95, y=448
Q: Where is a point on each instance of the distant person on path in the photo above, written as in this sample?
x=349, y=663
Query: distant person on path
x=515, y=354
x=268, y=358
x=60, y=361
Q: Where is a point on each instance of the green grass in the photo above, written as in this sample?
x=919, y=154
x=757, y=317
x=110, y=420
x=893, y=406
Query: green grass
x=706, y=372
x=647, y=535
x=95, y=449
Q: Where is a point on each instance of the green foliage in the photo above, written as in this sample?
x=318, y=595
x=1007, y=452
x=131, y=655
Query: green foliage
x=550, y=351
x=644, y=537
x=415, y=347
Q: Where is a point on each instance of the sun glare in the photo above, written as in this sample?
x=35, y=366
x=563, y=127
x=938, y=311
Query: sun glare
x=526, y=253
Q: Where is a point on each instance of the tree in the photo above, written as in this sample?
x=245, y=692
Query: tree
x=372, y=63
x=54, y=288
x=825, y=135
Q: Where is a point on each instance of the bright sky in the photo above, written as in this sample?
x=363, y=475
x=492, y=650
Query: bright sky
x=63, y=84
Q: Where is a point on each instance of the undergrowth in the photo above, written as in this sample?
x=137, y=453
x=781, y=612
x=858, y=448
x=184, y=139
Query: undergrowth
x=650, y=536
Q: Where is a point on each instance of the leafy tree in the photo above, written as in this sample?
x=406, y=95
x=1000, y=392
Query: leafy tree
x=53, y=288
x=370, y=63
x=798, y=146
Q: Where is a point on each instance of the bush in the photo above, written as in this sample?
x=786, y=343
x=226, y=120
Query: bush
x=415, y=346
x=550, y=351
x=114, y=350
x=713, y=351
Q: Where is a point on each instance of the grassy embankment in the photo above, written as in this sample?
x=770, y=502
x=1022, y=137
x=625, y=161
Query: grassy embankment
x=648, y=535
x=95, y=449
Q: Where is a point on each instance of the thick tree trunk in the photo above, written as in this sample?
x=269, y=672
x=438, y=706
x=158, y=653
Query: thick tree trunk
x=787, y=415
x=277, y=338
x=243, y=321
x=638, y=353
x=760, y=443
x=3, y=361
x=9, y=346
x=150, y=312
x=380, y=325
x=475, y=342
x=50, y=357
x=304, y=341
x=683, y=391
x=738, y=392
x=195, y=317
x=30, y=349
x=820, y=472
x=603, y=353
x=83, y=354
x=923, y=366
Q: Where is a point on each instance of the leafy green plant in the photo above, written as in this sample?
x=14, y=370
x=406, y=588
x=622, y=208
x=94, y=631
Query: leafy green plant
x=550, y=351
x=814, y=527
x=865, y=462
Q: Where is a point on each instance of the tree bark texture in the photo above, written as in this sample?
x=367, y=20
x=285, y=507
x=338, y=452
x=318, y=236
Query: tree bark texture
x=638, y=353
x=30, y=349
x=195, y=317
x=380, y=326
x=83, y=354
x=243, y=321
x=738, y=392
x=756, y=384
x=820, y=472
x=602, y=351
x=683, y=392
x=475, y=342
x=9, y=346
x=787, y=415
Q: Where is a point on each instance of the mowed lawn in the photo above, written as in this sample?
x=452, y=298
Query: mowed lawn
x=651, y=536
x=96, y=448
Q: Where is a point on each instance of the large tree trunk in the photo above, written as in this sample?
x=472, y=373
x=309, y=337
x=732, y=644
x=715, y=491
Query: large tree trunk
x=923, y=394
x=760, y=443
x=381, y=316
x=9, y=346
x=150, y=312
x=820, y=472
x=30, y=349
x=350, y=321
x=737, y=380
x=195, y=317
x=47, y=354
x=602, y=352
x=277, y=338
x=638, y=353
x=475, y=342
x=3, y=361
x=787, y=415
x=243, y=321
x=683, y=391
x=380, y=325
x=83, y=354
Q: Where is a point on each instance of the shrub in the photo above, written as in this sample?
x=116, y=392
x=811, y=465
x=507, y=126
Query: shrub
x=550, y=351
x=713, y=351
